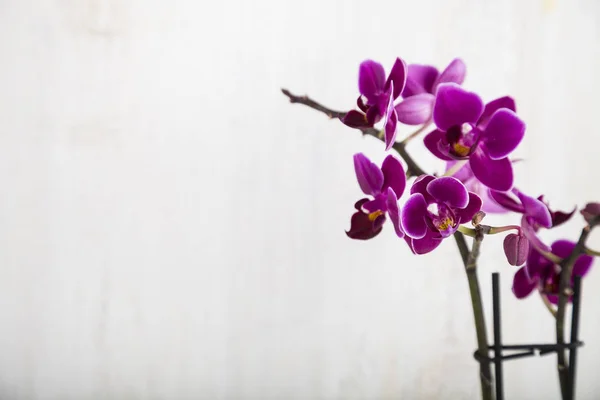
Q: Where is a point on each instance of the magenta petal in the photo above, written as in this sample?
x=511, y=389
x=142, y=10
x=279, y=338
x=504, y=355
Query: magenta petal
x=531, y=235
x=426, y=244
x=413, y=216
x=535, y=209
x=493, y=106
x=466, y=214
x=432, y=141
x=522, y=285
x=362, y=228
x=394, y=211
x=371, y=79
x=391, y=120
x=516, y=249
x=355, y=119
x=397, y=77
x=455, y=106
x=377, y=204
x=415, y=110
x=563, y=249
x=455, y=72
x=420, y=186
x=449, y=190
x=420, y=80
x=503, y=133
x=393, y=175
x=507, y=201
x=369, y=176
x=495, y=174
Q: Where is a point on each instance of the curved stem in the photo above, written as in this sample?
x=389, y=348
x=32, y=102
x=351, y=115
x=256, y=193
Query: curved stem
x=455, y=168
x=413, y=168
x=498, y=229
x=466, y=231
x=470, y=262
x=416, y=133
x=591, y=252
x=548, y=305
x=564, y=291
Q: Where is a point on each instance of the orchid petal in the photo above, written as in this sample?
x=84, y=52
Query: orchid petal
x=355, y=119
x=397, y=77
x=391, y=120
x=394, y=211
x=473, y=207
x=369, y=176
x=493, y=106
x=495, y=174
x=507, y=201
x=424, y=245
x=371, y=80
x=432, y=142
x=503, y=133
x=420, y=186
x=413, y=216
x=522, y=285
x=455, y=106
x=393, y=175
x=420, y=80
x=564, y=248
x=536, y=209
x=449, y=190
x=415, y=110
x=455, y=72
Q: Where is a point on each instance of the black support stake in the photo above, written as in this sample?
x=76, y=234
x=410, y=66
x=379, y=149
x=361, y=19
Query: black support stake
x=497, y=336
x=574, y=334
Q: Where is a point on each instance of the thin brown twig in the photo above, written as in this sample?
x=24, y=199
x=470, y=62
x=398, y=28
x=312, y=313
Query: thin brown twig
x=413, y=168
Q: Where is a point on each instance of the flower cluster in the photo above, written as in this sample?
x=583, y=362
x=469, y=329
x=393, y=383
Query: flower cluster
x=476, y=140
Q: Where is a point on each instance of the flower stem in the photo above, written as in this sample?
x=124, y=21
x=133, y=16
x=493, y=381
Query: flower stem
x=564, y=291
x=470, y=262
x=498, y=229
x=413, y=168
x=416, y=133
x=466, y=231
x=591, y=252
x=548, y=305
x=456, y=167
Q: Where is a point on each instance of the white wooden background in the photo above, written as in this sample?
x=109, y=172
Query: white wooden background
x=172, y=228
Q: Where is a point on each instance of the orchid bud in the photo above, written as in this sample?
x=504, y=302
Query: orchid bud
x=590, y=211
x=516, y=248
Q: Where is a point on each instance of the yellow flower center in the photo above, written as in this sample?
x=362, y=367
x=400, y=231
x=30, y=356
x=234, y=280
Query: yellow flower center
x=461, y=149
x=373, y=216
x=445, y=224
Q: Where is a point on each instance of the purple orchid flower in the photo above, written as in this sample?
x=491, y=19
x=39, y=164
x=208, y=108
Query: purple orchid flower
x=385, y=185
x=544, y=275
x=377, y=98
x=536, y=213
x=421, y=85
x=435, y=209
x=485, y=135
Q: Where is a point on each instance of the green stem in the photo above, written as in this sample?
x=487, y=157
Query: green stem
x=470, y=262
x=564, y=292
